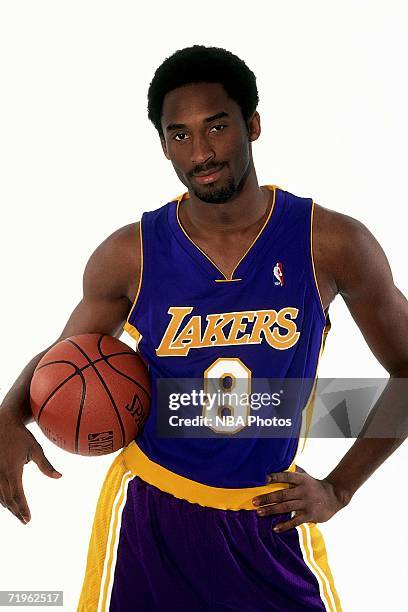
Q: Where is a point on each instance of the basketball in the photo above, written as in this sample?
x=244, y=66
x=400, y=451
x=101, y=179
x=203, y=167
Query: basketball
x=90, y=394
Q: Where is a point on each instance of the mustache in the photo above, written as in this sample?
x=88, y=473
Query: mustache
x=206, y=168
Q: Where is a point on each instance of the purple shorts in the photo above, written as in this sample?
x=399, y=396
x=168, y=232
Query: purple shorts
x=150, y=550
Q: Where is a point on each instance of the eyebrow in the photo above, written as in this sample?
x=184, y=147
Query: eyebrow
x=181, y=126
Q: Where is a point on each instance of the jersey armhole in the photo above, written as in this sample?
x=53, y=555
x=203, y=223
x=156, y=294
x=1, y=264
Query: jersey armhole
x=129, y=326
x=313, y=269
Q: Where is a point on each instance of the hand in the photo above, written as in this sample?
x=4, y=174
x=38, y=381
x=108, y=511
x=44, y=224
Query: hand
x=312, y=500
x=17, y=447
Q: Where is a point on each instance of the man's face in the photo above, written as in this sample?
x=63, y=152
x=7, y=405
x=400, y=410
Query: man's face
x=207, y=140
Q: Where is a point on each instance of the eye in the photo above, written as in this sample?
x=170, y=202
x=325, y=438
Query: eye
x=180, y=136
x=218, y=128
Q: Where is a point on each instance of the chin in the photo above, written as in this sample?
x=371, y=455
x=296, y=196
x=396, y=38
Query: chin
x=214, y=194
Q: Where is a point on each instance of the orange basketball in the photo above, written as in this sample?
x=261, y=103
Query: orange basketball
x=90, y=394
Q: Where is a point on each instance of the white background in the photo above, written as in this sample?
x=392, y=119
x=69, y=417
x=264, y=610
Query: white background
x=80, y=159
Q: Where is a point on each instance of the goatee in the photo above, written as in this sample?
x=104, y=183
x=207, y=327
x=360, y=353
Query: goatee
x=217, y=195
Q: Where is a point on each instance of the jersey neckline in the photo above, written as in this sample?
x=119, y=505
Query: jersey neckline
x=201, y=256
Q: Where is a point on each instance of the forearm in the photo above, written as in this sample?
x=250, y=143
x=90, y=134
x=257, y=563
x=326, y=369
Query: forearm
x=357, y=465
x=384, y=431
x=16, y=404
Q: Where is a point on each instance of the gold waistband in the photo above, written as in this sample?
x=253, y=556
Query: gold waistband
x=190, y=490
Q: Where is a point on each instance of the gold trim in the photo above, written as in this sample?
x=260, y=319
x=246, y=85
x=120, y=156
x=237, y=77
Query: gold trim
x=271, y=188
x=311, y=254
x=113, y=543
x=307, y=412
x=180, y=198
x=128, y=327
x=191, y=490
x=99, y=557
x=315, y=557
x=141, y=271
x=192, y=241
x=233, y=380
x=133, y=332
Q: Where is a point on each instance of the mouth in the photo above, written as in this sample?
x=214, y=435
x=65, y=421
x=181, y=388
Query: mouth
x=204, y=178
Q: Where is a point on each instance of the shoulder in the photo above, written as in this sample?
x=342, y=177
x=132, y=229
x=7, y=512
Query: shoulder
x=123, y=236
x=122, y=246
x=345, y=249
x=332, y=224
x=116, y=261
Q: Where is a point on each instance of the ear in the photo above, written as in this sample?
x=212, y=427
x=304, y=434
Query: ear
x=254, y=127
x=164, y=146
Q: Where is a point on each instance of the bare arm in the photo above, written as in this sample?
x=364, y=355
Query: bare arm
x=362, y=276
x=109, y=285
x=350, y=262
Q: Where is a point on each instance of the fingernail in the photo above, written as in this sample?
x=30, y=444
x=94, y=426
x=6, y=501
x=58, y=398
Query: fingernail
x=57, y=474
x=260, y=512
x=256, y=502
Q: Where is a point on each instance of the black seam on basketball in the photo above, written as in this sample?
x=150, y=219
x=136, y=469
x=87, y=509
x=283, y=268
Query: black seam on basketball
x=103, y=359
x=103, y=384
x=106, y=359
x=116, y=354
x=85, y=366
x=128, y=377
x=55, y=391
x=81, y=407
x=58, y=361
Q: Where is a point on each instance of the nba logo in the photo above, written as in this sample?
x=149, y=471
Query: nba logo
x=278, y=274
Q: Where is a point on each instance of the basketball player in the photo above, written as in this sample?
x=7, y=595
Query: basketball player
x=230, y=277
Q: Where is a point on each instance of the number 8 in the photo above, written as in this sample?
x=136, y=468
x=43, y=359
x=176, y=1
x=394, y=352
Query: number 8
x=215, y=379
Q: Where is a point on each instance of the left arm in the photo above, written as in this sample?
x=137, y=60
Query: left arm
x=357, y=267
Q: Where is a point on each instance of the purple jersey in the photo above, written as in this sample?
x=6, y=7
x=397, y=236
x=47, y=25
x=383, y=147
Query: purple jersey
x=265, y=321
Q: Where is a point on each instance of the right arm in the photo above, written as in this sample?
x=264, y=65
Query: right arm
x=109, y=286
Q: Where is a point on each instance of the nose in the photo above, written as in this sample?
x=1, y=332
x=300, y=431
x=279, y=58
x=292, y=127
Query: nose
x=202, y=151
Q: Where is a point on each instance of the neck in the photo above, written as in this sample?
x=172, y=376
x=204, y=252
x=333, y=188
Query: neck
x=245, y=209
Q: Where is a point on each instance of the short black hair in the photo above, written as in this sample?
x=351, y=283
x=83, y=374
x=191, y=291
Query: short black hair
x=200, y=64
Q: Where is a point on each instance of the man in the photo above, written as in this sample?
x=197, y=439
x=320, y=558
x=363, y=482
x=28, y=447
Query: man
x=230, y=280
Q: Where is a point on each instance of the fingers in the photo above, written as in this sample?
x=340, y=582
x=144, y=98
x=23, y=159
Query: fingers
x=297, y=520
x=18, y=495
x=3, y=485
x=277, y=497
x=293, y=478
x=37, y=455
x=12, y=497
x=283, y=508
